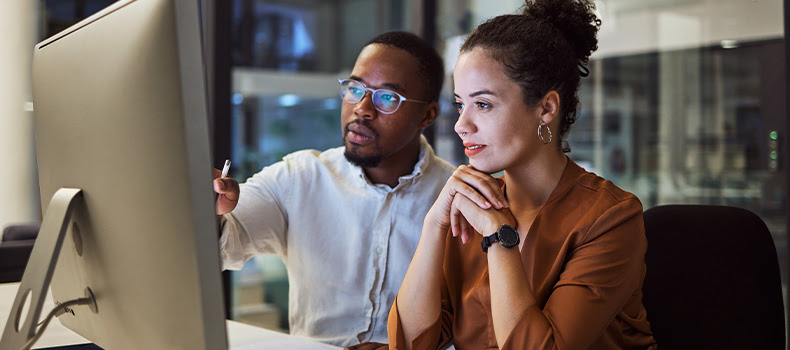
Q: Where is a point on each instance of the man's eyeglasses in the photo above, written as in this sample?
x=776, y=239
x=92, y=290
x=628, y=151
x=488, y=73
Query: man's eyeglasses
x=385, y=101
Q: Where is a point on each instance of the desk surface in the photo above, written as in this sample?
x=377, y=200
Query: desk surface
x=241, y=336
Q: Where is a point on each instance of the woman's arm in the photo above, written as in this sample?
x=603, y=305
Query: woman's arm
x=418, y=301
x=511, y=295
x=419, y=298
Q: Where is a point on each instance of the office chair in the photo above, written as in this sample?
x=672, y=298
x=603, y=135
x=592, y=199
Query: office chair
x=15, y=248
x=712, y=279
x=21, y=232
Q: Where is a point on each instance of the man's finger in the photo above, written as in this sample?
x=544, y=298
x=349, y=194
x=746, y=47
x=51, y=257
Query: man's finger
x=219, y=187
x=228, y=187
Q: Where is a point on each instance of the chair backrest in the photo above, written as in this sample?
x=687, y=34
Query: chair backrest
x=712, y=279
x=13, y=259
x=16, y=245
x=21, y=232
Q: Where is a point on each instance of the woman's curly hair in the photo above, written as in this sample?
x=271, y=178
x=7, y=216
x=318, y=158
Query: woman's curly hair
x=543, y=49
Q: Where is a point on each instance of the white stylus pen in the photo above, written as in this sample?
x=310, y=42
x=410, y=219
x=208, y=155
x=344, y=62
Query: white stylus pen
x=225, y=168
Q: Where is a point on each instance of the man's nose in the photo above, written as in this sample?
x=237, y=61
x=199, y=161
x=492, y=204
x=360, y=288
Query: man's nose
x=365, y=107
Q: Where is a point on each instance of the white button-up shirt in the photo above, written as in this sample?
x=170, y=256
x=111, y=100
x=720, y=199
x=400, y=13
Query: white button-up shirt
x=345, y=241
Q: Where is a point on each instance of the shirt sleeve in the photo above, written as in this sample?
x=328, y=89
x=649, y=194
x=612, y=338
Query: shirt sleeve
x=436, y=336
x=258, y=224
x=600, y=276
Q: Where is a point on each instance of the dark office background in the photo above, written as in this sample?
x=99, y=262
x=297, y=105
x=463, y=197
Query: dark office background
x=247, y=37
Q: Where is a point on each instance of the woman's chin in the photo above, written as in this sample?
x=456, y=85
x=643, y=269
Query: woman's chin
x=484, y=168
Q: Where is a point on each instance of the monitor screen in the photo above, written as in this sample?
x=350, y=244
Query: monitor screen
x=120, y=114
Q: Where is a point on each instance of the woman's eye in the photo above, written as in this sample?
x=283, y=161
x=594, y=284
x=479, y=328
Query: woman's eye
x=459, y=106
x=482, y=105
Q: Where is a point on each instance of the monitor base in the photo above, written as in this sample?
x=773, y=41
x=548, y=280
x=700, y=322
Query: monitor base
x=38, y=274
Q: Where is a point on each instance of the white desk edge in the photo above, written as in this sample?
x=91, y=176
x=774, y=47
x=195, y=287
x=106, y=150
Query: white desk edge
x=239, y=335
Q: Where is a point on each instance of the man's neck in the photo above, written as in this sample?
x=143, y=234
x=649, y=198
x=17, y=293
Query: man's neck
x=391, y=169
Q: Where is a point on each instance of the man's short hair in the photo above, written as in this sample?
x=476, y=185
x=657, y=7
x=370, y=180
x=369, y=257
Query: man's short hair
x=431, y=65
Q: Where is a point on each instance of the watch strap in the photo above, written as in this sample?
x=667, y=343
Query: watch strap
x=489, y=240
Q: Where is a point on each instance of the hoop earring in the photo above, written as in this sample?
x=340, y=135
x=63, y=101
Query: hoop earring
x=540, y=134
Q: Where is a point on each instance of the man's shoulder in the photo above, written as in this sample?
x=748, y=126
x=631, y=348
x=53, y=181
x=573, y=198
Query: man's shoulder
x=445, y=165
x=303, y=167
x=442, y=167
x=313, y=160
x=332, y=157
x=305, y=155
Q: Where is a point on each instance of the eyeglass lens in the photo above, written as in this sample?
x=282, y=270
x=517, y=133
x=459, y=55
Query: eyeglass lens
x=384, y=100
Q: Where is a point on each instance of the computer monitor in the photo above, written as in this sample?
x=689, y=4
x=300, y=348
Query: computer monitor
x=124, y=162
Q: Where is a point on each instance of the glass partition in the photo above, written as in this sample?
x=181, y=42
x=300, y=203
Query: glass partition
x=692, y=126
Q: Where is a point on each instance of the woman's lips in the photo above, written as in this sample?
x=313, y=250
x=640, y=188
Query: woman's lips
x=472, y=149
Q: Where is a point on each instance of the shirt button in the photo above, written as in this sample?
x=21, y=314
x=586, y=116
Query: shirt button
x=379, y=250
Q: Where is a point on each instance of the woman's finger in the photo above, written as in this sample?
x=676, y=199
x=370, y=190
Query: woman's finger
x=466, y=228
x=480, y=187
x=454, y=220
x=460, y=223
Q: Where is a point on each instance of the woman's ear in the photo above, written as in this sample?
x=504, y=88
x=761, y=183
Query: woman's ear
x=549, y=107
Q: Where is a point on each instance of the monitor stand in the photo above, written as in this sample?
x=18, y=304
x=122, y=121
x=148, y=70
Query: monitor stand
x=40, y=268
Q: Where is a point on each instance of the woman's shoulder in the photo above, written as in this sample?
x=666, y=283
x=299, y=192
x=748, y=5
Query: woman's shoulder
x=603, y=188
x=586, y=197
x=593, y=206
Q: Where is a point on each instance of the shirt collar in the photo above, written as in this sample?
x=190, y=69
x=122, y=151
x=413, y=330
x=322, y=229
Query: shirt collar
x=424, y=160
x=426, y=153
x=567, y=180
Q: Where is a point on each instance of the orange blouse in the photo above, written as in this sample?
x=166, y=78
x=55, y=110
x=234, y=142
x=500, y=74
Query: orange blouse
x=584, y=257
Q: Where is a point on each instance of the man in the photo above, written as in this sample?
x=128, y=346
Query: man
x=346, y=221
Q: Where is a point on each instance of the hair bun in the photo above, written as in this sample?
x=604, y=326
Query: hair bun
x=575, y=19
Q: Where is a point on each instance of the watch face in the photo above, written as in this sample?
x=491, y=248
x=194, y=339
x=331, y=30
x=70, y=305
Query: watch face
x=508, y=236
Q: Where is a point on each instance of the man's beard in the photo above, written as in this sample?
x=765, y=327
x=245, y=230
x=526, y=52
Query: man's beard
x=371, y=161
x=362, y=162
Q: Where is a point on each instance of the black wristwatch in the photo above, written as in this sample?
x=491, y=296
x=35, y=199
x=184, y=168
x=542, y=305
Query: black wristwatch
x=507, y=236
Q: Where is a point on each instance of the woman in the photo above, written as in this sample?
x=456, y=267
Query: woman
x=564, y=260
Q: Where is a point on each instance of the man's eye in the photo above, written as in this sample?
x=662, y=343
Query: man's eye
x=389, y=98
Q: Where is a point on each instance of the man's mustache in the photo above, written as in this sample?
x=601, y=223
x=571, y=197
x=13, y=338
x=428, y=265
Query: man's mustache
x=364, y=122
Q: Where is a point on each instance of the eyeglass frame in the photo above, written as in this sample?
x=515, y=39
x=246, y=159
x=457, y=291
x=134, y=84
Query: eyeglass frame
x=373, y=92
